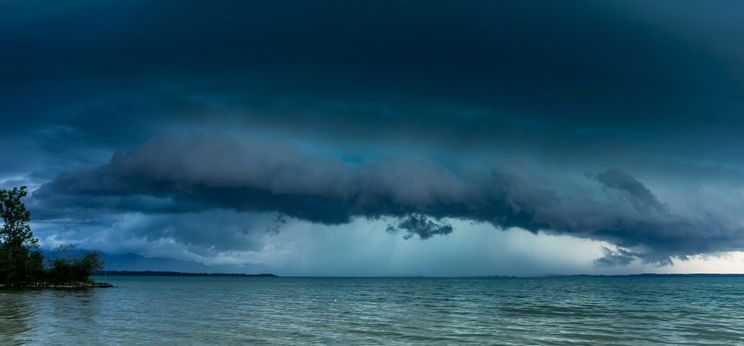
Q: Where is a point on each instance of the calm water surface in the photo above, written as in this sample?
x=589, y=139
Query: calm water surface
x=233, y=310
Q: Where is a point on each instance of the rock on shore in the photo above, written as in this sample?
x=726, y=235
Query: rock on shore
x=65, y=285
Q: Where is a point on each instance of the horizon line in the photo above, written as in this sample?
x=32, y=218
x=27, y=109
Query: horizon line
x=180, y=273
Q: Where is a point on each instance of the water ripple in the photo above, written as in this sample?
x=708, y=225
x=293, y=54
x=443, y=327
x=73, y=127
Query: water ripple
x=579, y=311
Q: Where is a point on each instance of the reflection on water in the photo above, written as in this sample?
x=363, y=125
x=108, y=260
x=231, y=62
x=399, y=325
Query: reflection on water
x=208, y=310
x=26, y=313
x=14, y=315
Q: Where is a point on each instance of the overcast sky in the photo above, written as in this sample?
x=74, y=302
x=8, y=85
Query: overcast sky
x=381, y=137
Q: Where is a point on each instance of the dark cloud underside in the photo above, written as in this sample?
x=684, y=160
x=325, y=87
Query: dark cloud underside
x=612, y=120
x=219, y=172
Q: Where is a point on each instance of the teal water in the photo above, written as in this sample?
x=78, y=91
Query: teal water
x=235, y=310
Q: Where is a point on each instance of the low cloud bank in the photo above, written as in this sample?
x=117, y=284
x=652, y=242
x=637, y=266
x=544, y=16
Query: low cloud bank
x=211, y=172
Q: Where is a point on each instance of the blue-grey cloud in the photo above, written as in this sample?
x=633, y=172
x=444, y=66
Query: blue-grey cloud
x=481, y=73
x=638, y=194
x=422, y=226
x=619, y=257
x=486, y=111
x=217, y=171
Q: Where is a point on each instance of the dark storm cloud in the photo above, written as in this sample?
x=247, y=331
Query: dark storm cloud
x=364, y=109
x=639, y=195
x=619, y=257
x=422, y=226
x=576, y=75
x=217, y=171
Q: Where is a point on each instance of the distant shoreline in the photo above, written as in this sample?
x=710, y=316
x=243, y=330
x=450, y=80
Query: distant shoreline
x=171, y=273
x=642, y=275
x=650, y=275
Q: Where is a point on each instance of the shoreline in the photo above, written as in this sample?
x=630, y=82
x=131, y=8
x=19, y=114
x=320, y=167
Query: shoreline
x=65, y=285
x=173, y=273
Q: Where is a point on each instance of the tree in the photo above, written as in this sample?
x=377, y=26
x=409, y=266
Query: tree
x=16, y=238
x=20, y=266
x=89, y=263
x=69, y=267
x=15, y=232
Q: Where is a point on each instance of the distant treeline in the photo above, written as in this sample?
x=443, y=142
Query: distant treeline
x=644, y=275
x=169, y=273
x=653, y=275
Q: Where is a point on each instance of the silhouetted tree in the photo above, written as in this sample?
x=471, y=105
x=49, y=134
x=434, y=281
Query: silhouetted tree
x=20, y=264
x=70, y=267
x=17, y=261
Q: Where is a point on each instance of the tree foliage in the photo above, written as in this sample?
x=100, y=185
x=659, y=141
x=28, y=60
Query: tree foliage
x=20, y=263
x=73, y=267
x=16, y=231
x=17, y=262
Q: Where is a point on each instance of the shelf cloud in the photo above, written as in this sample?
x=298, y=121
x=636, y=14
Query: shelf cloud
x=216, y=171
x=615, y=121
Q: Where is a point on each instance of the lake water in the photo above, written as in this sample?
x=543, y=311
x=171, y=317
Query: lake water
x=246, y=310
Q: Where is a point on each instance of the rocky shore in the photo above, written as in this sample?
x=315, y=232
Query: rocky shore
x=65, y=285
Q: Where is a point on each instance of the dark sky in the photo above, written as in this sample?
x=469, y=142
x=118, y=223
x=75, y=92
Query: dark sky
x=210, y=131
